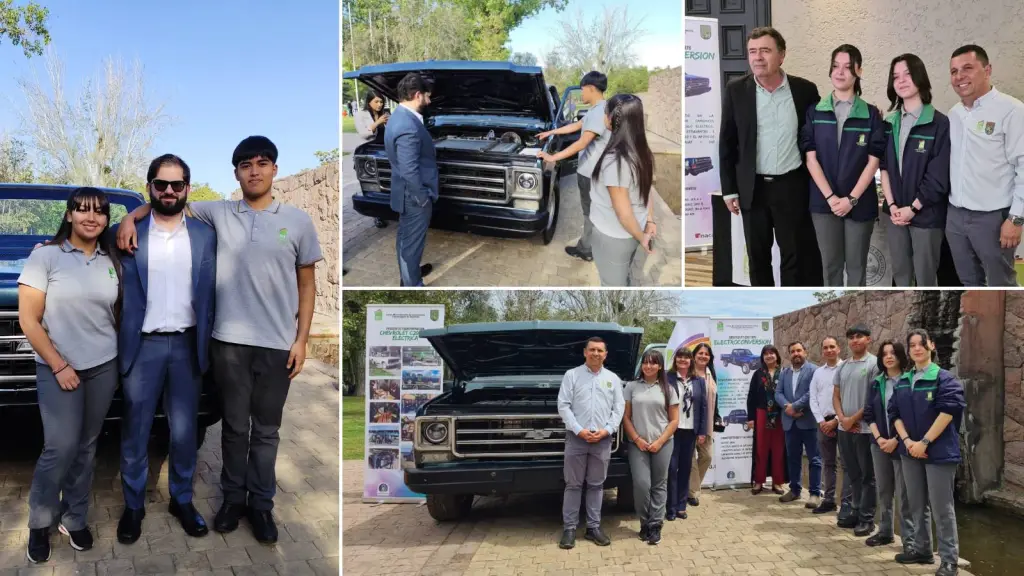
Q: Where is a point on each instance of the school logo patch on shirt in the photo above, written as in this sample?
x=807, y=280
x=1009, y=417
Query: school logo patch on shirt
x=990, y=127
x=282, y=235
x=112, y=273
x=608, y=384
x=981, y=126
x=862, y=141
x=920, y=145
x=929, y=396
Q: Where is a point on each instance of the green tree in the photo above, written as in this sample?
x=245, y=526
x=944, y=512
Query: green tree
x=25, y=26
x=827, y=295
x=328, y=157
x=524, y=59
x=201, y=191
x=14, y=161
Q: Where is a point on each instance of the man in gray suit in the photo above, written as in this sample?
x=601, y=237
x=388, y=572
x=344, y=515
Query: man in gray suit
x=794, y=395
x=414, y=187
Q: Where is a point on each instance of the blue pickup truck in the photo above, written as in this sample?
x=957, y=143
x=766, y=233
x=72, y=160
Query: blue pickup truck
x=743, y=358
x=30, y=214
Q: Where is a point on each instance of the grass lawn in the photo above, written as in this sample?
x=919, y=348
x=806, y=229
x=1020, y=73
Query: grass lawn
x=353, y=427
x=348, y=124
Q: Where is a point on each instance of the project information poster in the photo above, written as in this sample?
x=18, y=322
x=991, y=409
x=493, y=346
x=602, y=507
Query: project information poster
x=703, y=103
x=403, y=372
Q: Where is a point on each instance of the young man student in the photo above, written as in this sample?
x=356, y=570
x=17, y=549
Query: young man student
x=267, y=254
x=590, y=145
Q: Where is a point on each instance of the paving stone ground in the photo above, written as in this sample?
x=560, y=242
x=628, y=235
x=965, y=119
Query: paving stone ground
x=731, y=532
x=306, y=505
x=462, y=259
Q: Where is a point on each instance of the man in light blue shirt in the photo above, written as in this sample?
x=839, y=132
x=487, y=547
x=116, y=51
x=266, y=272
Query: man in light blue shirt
x=591, y=404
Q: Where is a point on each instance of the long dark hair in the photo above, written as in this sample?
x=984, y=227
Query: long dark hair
x=925, y=340
x=88, y=196
x=711, y=360
x=918, y=75
x=898, y=350
x=778, y=357
x=655, y=356
x=856, y=61
x=629, y=141
x=370, y=95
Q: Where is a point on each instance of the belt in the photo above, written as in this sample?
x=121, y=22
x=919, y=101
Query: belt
x=774, y=177
x=170, y=332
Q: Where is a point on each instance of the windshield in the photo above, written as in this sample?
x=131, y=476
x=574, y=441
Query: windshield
x=540, y=382
x=41, y=217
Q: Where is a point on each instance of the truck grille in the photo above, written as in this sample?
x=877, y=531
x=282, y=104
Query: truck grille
x=512, y=436
x=484, y=183
x=17, y=369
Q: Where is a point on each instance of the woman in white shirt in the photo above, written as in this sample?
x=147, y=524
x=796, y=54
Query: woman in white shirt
x=621, y=208
x=692, y=430
x=372, y=116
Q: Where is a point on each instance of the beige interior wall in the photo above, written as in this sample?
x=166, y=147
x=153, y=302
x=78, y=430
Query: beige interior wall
x=883, y=29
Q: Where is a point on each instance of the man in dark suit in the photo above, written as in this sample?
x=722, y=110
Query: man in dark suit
x=763, y=173
x=414, y=186
x=163, y=343
x=794, y=394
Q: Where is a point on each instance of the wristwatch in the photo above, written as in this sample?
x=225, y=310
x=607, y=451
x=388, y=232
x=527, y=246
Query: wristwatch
x=926, y=442
x=1017, y=220
x=914, y=209
x=853, y=200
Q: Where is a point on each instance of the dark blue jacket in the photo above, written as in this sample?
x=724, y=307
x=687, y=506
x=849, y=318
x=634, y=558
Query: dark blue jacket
x=937, y=391
x=924, y=175
x=843, y=163
x=875, y=411
x=800, y=398
x=413, y=159
x=700, y=402
x=135, y=278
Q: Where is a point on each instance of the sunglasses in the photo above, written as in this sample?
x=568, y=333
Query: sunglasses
x=176, y=185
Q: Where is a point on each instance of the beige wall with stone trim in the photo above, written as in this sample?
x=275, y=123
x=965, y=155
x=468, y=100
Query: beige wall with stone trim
x=883, y=29
x=663, y=105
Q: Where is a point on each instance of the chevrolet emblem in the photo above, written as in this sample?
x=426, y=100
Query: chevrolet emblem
x=537, y=435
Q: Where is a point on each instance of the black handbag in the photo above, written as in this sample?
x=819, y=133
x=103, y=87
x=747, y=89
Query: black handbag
x=718, y=425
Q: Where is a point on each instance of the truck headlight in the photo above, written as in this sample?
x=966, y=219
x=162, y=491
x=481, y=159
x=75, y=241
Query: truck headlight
x=370, y=167
x=526, y=181
x=436, y=432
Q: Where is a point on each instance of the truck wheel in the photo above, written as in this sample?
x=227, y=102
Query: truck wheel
x=624, y=500
x=549, y=229
x=745, y=369
x=449, y=507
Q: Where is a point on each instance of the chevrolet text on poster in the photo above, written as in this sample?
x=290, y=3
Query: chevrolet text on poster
x=403, y=372
x=703, y=102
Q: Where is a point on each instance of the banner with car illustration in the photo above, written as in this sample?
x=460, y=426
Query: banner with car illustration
x=403, y=372
x=737, y=344
x=703, y=98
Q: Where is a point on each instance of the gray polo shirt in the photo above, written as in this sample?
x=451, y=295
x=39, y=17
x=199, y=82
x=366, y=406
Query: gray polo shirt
x=647, y=402
x=615, y=171
x=81, y=292
x=907, y=121
x=593, y=121
x=258, y=252
x=854, y=379
x=842, y=109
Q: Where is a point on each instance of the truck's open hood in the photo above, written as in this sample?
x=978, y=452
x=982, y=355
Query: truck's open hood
x=466, y=87
x=508, y=348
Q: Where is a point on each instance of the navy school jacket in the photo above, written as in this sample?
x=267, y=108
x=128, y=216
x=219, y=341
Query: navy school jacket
x=937, y=391
x=925, y=172
x=875, y=410
x=843, y=162
x=699, y=408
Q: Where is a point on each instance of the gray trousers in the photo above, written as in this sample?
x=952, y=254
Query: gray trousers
x=411, y=240
x=650, y=482
x=585, y=463
x=584, y=243
x=844, y=244
x=828, y=446
x=254, y=387
x=914, y=253
x=72, y=421
x=974, y=242
x=855, y=449
x=614, y=259
x=889, y=479
x=932, y=485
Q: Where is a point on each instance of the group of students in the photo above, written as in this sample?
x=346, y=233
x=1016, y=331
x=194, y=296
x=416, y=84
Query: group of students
x=894, y=420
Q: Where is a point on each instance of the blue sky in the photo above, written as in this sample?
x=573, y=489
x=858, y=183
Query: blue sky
x=659, y=46
x=745, y=303
x=225, y=69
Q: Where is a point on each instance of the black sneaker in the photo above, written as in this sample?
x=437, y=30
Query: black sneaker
x=825, y=507
x=693, y=501
x=576, y=253
x=81, y=540
x=879, y=540
x=655, y=535
x=38, y=545
x=598, y=537
x=263, y=527
x=227, y=517
x=568, y=541
x=864, y=529
x=947, y=569
x=909, y=557
x=129, y=528
x=644, y=532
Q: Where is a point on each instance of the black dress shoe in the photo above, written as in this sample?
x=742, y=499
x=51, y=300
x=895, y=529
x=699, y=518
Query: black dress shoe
x=426, y=269
x=192, y=521
x=670, y=516
x=227, y=517
x=645, y=531
x=598, y=537
x=263, y=527
x=947, y=569
x=910, y=557
x=847, y=522
x=879, y=540
x=825, y=507
x=568, y=541
x=864, y=529
x=693, y=501
x=130, y=527
x=681, y=515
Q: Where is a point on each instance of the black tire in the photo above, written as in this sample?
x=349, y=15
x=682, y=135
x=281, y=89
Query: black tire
x=449, y=507
x=624, y=499
x=745, y=369
x=553, y=201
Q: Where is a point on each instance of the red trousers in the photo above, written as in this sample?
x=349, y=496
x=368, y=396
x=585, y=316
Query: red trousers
x=770, y=444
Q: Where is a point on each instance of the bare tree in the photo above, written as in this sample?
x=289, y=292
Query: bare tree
x=626, y=307
x=604, y=43
x=15, y=165
x=100, y=137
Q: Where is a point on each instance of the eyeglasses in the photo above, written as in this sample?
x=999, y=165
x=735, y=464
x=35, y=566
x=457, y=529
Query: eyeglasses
x=176, y=185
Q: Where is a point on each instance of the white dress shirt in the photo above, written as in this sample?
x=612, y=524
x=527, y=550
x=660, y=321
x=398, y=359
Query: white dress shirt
x=591, y=400
x=417, y=114
x=986, y=168
x=822, y=387
x=169, y=294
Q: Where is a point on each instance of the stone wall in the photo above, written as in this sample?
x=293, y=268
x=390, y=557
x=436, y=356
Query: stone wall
x=316, y=192
x=1013, y=416
x=662, y=109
